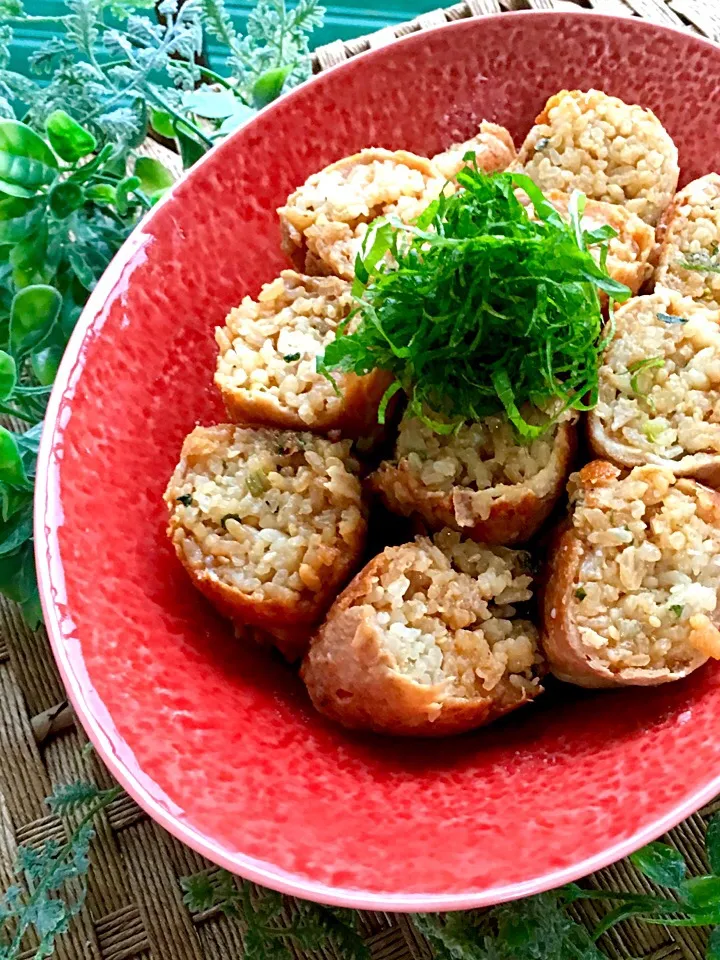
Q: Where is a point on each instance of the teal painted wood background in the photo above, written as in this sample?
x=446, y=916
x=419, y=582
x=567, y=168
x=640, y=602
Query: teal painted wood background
x=349, y=18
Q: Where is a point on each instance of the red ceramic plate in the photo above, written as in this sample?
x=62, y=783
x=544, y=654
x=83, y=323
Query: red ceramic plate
x=219, y=743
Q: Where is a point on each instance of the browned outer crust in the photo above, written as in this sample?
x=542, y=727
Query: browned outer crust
x=352, y=680
x=567, y=657
x=510, y=521
x=356, y=418
x=290, y=624
x=493, y=146
x=293, y=241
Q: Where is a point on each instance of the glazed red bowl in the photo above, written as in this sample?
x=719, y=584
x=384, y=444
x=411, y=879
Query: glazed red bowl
x=219, y=743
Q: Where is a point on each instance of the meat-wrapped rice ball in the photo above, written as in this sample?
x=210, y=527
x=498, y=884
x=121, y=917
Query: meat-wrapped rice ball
x=689, y=236
x=269, y=525
x=426, y=641
x=480, y=480
x=266, y=369
x=492, y=146
x=608, y=149
x=659, y=388
x=324, y=222
x=632, y=593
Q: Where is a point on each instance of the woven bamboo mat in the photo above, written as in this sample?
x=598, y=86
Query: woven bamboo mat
x=134, y=909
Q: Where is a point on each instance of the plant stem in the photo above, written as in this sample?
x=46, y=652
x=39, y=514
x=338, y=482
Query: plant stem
x=216, y=77
x=281, y=45
x=103, y=799
x=179, y=118
x=30, y=18
x=639, y=899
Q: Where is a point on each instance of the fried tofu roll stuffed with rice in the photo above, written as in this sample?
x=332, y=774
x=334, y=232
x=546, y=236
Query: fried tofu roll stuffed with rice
x=266, y=368
x=268, y=524
x=608, y=149
x=324, y=222
x=481, y=480
x=689, y=237
x=632, y=594
x=426, y=641
x=492, y=147
x=628, y=253
x=659, y=388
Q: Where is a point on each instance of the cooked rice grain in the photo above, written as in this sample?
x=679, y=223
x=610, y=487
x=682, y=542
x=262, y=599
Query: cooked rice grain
x=659, y=396
x=324, y=221
x=646, y=593
x=690, y=234
x=266, y=369
x=479, y=480
x=608, y=149
x=427, y=639
x=268, y=523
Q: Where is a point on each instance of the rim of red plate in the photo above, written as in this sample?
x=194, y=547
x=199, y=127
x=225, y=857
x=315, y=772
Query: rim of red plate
x=106, y=739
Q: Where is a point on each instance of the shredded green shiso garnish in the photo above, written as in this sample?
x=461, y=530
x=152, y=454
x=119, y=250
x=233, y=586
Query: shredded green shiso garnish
x=478, y=309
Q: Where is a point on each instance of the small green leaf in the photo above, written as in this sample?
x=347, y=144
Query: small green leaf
x=28, y=444
x=34, y=310
x=677, y=609
x=102, y=193
x=702, y=893
x=713, y=947
x=25, y=159
x=96, y=165
x=242, y=115
x=68, y=139
x=65, y=198
x=29, y=258
x=190, y=149
x=125, y=191
x=19, y=218
x=12, y=470
x=712, y=844
x=19, y=528
x=45, y=364
x=82, y=268
x=8, y=375
x=268, y=86
x=211, y=104
x=19, y=582
x=154, y=176
x=15, y=190
x=661, y=863
x=162, y=123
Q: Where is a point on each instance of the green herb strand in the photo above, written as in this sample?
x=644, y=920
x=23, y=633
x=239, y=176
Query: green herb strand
x=480, y=307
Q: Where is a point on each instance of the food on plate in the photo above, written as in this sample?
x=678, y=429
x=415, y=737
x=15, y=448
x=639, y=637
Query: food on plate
x=492, y=147
x=426, y=640
x=689, y=237
x=659, y=388
x=628, y=251
x=632, y=593
x=268, y=348
x=269, y=525
x=324, y=222
x=472, y=294
x=481, y=309
x=608, y=149
x=481, y=479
